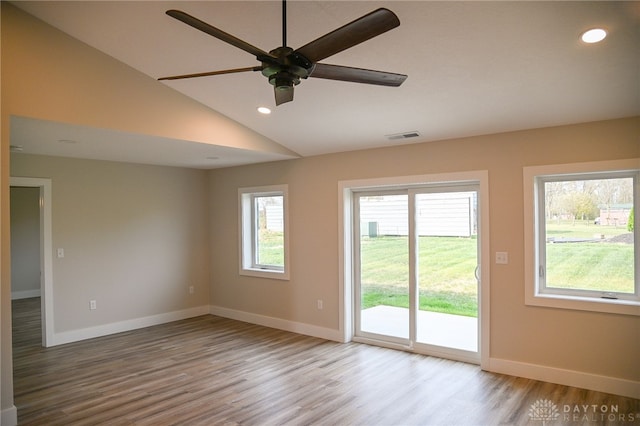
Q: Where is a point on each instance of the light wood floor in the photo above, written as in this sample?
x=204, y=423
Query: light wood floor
x=210, y=370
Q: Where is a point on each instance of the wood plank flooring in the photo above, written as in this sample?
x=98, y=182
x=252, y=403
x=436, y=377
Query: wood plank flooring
x=215, y=371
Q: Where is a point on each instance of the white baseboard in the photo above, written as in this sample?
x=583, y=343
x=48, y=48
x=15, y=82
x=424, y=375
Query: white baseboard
x=280, y=324
x=9, y=416
x=25, y=294
x=564, y=377
x=133, y=324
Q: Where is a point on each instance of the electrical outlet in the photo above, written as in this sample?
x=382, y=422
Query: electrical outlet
x=191, y=290
x=502, y=257
x=320, y=304
x=93, y=305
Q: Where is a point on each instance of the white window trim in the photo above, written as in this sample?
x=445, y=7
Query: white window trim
x=246, y=241
x=533, y=294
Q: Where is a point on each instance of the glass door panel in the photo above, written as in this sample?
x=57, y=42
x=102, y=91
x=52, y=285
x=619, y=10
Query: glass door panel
x=447, y=258
x=383, y=276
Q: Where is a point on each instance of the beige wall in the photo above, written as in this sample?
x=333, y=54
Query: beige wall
x=601, y=344
x=135, y=238
x=25, y=242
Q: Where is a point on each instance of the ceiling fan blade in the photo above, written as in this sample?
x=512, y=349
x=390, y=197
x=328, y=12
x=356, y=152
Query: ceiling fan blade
x=218, y=33
x=356, y=32
x=357, y=75
x=205, y=74
x=283, y=94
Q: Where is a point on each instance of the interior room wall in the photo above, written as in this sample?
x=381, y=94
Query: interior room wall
x=589, y=342
x=134, y=239
x=25, y=242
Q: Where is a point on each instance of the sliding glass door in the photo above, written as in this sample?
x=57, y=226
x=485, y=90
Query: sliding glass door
x=383, y=244
x=416, y=267
x=447, y=262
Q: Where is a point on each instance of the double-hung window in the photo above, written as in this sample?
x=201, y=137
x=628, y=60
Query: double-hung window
x=582, y=242
x=264, y=231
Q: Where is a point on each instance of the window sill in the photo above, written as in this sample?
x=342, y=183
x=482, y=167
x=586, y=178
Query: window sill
x=612, y=306
x=265, y=273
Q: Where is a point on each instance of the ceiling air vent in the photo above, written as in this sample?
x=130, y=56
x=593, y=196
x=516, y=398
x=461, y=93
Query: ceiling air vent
x=405, y=135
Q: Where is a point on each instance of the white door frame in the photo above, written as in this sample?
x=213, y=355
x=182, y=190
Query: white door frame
x=345, y=246
x=46, y=252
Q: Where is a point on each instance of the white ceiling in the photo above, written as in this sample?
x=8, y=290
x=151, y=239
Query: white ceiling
x=474, y=67
x=31, y=136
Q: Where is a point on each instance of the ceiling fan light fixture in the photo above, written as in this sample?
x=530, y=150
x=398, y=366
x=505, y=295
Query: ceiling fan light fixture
x=284, y=80
x=594, y=35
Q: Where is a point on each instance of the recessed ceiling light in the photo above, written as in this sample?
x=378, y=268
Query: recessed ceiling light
x=593, y=35
x=264, y=110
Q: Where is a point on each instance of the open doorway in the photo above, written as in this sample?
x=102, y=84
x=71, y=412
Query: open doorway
x=33, y=196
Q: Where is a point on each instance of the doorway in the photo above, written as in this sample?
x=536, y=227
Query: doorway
x=415, y=270
x=46, y=249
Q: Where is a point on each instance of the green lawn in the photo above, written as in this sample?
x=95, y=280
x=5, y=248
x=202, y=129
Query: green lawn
x=446, y=266
x=582, y=229
x=446, y=273
x=591, y=266
x=598, y=265
x=271, y=248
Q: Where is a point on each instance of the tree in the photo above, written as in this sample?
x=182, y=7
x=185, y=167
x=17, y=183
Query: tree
x=579, y=205
x=630, y=221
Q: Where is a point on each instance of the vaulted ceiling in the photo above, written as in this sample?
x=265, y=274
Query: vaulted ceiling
x=473, y=67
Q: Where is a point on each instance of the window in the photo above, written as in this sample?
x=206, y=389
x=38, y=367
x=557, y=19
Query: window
x=263, y=232
x=582, y=243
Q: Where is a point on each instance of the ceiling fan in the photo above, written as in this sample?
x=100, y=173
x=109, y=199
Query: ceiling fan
x=284, y=66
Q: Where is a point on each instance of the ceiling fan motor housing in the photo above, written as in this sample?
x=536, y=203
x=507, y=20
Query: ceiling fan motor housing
x=287, y=68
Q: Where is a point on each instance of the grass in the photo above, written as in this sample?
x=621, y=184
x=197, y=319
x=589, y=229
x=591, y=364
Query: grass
x=591, y=266
x=446, y=267
x=446, y=273
x=582, y=229
x=598, y=265
x=271, y=248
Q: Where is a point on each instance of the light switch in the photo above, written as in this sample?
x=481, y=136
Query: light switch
x=60, y=252
x=502, y=257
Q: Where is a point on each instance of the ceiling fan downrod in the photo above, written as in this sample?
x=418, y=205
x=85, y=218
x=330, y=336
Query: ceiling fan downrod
x=284, y=23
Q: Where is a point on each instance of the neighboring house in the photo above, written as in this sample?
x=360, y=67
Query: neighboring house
x=445, y=215
x=616, y=214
